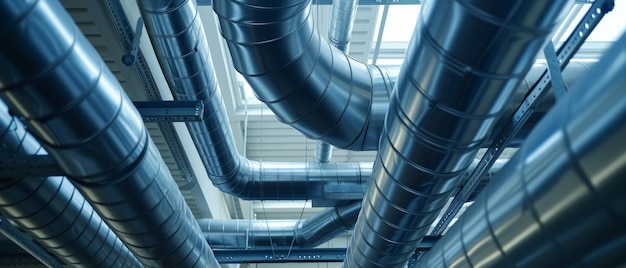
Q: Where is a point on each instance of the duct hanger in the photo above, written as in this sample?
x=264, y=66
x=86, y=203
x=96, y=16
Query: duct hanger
x=129, y=58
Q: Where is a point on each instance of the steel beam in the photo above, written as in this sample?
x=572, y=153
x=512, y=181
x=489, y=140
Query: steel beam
x=295, y=255
x=170, y=111
x=518, y=119
x=27, y=244
x=20, y=166
x=368, y=2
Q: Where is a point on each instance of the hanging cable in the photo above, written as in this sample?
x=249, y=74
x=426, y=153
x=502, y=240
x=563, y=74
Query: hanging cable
x=261, y=184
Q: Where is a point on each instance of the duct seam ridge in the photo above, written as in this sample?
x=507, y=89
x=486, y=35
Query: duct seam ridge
x=270, y=103
x=402, y=209
x=485, y=16
x=575, y=160
x=432, y=141
x=438, y=173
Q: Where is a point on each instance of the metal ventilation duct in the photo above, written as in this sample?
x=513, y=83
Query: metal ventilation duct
x=242, y=234
x=343, y=14
x=462, y=66
x=312, y=232
x=307, y=83
x=560, y=201
x=178, y=36
x=52, y=211
x=53, y=78
x=341, y=23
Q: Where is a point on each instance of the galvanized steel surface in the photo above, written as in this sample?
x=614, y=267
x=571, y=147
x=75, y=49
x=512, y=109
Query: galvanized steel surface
x=52, y=211
x=559, y=201
x=308, y=83
x=280, y=234
x=463, y=64
x=53, y=78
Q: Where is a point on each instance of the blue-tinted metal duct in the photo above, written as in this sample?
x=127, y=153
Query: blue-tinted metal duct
x=463, y=64
x=560, y=201
x=178, y=36
x=280, y=234
x=52, y=211
x=179, y=39
x=308, y=83
x=341, y=23
x=54, y=79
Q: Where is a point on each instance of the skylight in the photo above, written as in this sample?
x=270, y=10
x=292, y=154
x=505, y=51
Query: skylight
x=400, y=22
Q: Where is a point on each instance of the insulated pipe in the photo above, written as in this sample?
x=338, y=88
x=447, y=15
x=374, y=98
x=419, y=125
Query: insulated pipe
x=312, y=232
x=457, y=78
x=54, y=79
x=560, y=201
x=304, y=80
x=53, y=212
x=180, y=43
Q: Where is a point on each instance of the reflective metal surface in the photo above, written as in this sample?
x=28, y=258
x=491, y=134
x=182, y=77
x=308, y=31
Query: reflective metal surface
x=323, y=151
x=309, y=85
x=462, y=66
x=53, y=78
x=280, y=234
x=52, y=211
x=178, y=36
x=559, y=202
x=343, y=13
x=342, y=20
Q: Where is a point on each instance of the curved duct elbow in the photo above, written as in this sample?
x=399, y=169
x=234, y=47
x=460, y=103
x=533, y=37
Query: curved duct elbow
x=326, y=225
x=456, y=80
x=180, y=43
x=293, y=181
x=178, y=36
x=559, y=201
x=309, y=85
x=89, y=126
x=53, y=212
x=312, y=232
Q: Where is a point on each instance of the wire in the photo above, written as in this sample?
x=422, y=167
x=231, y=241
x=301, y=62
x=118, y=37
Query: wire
x=261, y=185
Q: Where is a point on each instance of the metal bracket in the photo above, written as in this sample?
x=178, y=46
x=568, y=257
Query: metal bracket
x=367, y=2
x=596, y=12
x=554, y=68
x=344, y=191
x=280, y=256
x=170, y=111
x=19, y=166
x=27, y=244
x=295, y=255
x=129, y=58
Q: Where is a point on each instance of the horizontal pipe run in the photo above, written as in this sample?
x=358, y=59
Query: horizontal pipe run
x=89, y=126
